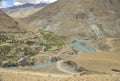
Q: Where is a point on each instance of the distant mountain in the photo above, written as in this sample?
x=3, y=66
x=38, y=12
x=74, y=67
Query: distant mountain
x=21, y=6
x=27, y=5
x=24, y=10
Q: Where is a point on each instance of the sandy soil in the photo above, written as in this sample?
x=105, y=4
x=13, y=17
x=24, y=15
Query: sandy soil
x=11, y=75
x=100, y=63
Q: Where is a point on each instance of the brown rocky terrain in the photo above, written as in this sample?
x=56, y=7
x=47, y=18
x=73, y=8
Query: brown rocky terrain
x=8, y=24
x=21, y=45
x=101, y=62
x=89, y=63
x=90, y=66
x=27, y=76
x=80, y=19
x=32, y=54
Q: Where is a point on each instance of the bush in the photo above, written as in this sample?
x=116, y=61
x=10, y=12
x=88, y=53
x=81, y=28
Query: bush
x=12, y=59
x=16, y=41
x=48, y=46
x=30, y=43
x=4, y=49
x=54, y=40
x=3, y=38
x=28, y=51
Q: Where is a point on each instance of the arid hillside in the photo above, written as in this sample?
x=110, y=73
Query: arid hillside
x=9, y=25
x=80, y=18
x=27, y=76
x=68, y=40
x=102, y=62
x=86, y=63
x=20, y=44
x=90, y=66
x=95, y=20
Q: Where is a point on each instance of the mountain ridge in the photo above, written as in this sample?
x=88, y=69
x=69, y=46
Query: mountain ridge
x=24, y=10
x=94, y=20
x=76, y=14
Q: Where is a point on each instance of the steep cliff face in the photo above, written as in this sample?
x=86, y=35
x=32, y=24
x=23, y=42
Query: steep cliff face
x=80, y=18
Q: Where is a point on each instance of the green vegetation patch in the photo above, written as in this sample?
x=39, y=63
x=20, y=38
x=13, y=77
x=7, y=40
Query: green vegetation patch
x=30, y=43
x=16, y=41
x=53, y=40
x=3, y=38
x=12, y=59
x=5, y=49
x=28, y=51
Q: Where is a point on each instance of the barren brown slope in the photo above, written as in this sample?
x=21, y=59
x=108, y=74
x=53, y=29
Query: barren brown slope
x=93, y=63
x=27, y=76
x=9, y=25
x=99, y=62
x=80, y=18
x=102, y=63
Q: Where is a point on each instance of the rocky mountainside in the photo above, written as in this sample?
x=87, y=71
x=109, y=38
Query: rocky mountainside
x=21, y=45
x=97, y=20
x=80, y=18
x=8, y=24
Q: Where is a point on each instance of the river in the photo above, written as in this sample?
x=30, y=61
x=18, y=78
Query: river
x=81, y=46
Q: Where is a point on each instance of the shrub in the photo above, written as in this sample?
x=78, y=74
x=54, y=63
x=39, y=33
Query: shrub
x=4, y=49
x=16, y=41
x=48, y=46
x=28, y=51
x=54, y=40
x=30, y=43
x=3, y=38
x=12, y=59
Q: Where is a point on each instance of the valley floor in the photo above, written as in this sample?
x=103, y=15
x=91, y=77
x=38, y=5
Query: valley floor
x=12, y=75
x=96, y=67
